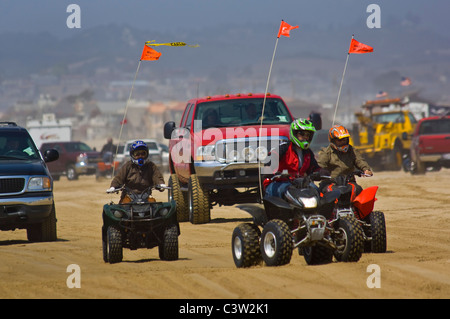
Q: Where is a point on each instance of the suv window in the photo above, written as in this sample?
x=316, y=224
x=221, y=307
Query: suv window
x=18, y=145
x=239, y=112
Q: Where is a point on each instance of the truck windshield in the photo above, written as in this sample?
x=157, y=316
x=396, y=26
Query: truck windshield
x=241, y=112
x=17, y=145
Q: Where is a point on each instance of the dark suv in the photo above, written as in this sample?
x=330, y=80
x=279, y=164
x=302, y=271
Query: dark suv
x=77, y=158
x=26, y=187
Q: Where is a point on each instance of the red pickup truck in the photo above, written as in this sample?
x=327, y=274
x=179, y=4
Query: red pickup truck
x=430, y=146
x=219, y=152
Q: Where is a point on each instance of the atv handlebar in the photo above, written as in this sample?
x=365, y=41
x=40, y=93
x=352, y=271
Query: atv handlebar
x=160, y=187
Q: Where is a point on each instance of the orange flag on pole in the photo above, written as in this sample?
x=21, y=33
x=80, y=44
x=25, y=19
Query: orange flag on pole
x=150, y=54
x=359, y=48
x=285, y=28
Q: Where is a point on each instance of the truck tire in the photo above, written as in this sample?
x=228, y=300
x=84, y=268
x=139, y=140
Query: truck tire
x=71, y=173
x=395, y=158
x=199, y=210
x=168, y=249
x=113, y=250
x=179, y=197
x=377, y=232
x=351, y=240
x=245, y=245
x=276, y=243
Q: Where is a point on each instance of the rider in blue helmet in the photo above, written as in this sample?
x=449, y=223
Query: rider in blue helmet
x=139, y=173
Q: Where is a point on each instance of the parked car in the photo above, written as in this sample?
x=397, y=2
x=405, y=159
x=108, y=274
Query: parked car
x=430, y=146
x=154, y=152
x=26, y=186
x=76, y=158
x=220, y=150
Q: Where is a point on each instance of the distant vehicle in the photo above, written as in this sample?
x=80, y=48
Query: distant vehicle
x=165, y=156
x=430, y=147
x=383, y=137
x=49, y=129
x=26, y=186
x=154, y=152
x=76, y=158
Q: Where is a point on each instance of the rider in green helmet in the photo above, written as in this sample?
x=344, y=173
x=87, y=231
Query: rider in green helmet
x=294, y=156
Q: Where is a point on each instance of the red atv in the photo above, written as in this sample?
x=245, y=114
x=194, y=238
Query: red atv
x=361, y=207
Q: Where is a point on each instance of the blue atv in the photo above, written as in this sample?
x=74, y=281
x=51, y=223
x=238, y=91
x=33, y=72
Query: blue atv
x=138, y=221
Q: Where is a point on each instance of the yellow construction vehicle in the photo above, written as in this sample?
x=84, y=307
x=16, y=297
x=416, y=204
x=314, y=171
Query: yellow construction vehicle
x=383, y=133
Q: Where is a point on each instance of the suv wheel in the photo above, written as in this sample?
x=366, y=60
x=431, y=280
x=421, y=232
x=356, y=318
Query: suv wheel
x=199, y=210
x=45, y=231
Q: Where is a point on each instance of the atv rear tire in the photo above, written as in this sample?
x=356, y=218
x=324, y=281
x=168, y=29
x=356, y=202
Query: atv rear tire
x=276, y=243
x=179, y=197
x=351, y=241
x=245, y=245
x=168, y=249
x=112, y=246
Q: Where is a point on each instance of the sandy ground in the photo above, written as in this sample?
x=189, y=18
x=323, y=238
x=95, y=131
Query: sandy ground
x=416, y=265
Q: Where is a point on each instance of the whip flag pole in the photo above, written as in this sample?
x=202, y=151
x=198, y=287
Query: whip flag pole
x=285, y=28
x=148, y=54
x=355, y=47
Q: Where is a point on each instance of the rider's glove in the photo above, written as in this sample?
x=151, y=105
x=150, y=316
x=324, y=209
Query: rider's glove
x=111, y=190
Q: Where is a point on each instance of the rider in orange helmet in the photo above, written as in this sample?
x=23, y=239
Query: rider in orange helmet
x=340, y=158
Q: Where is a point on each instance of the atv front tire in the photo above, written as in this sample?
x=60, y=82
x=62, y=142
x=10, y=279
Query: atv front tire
x=168, y=249
x=276, y=243
x=350, y=241
x=112, y=246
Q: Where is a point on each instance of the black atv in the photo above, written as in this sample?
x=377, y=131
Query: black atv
x=303, y=219
x=138, y=221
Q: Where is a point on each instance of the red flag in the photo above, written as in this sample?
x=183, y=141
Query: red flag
x=358, y=47
x=149, y=54
x=285, y=28
x=124, y=121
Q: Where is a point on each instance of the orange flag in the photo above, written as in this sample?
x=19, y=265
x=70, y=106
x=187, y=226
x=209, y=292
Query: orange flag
x=358, y=47
x=149, y=54
x=285, y=28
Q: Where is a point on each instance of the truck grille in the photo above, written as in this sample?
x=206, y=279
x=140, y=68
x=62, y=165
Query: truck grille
x=246, y=150
x=11, y=185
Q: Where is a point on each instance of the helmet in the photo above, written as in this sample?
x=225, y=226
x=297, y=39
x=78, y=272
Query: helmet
x=338, y=132
x=301, y=125
x=138, y=146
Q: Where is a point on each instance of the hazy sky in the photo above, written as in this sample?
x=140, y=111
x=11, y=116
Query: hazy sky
x=173, y=15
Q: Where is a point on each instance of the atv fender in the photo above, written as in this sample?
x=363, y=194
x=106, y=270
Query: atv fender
x=365, y=201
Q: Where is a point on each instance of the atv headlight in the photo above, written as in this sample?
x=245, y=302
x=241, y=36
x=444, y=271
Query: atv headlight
x=309, y=202
x=118, y=214
x=164, y=212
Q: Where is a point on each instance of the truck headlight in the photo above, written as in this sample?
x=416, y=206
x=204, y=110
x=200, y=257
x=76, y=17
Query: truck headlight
x=261, y=153
x=82, y=158
x=206, y=153
x=39, y=184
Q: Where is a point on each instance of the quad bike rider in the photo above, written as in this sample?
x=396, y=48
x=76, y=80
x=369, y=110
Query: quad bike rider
x=138, y=221
x=296, y=214
x=344, y=163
